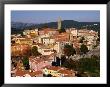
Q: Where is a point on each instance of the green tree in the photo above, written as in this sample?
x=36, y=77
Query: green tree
x=89, y=65
x=25, y=62
x=85, y=66
x=34, y=51
x=69, y=50
x=84, y=49
x=81, y=40
x=62, y=30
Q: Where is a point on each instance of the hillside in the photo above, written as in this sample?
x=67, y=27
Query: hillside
x=18, y=26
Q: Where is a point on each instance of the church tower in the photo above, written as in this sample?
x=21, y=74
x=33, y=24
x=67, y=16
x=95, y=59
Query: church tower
x=59, y=23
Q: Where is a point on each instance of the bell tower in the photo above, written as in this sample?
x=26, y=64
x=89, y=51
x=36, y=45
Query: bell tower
x=59, y=23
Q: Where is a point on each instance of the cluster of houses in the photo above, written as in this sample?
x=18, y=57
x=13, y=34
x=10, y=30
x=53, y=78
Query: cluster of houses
x=50, y=44
x=47, y=40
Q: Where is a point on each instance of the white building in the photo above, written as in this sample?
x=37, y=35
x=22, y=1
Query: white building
x=58, y=47
x=74, y=32
x=34, y=31
x=48, y=40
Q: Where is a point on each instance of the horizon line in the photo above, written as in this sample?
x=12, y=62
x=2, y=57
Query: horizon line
x=52, y=21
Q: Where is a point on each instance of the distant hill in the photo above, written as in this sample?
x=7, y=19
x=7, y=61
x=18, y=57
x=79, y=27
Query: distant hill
x=18, y=26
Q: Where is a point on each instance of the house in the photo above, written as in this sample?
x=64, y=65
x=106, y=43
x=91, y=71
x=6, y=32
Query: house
x=57, y=71
x=33, y=32
x=48, y=40
x=28, y=73
x=17, y=49
x=48, y=31
x=37, y=64
x=24, y=41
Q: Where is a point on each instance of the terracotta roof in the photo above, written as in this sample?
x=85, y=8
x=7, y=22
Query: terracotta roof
x=24, y=72
x=36, y=60
x=26, y=39
x=20, y=72
x=32, y=74
x=56, y=68
x=47, y=30
x=62, y=39
x=62, y=70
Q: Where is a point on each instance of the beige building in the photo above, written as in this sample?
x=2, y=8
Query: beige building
x=31, y=32
x=48, y=40
x=48, y=31
x=24, y=41
x=58, y=71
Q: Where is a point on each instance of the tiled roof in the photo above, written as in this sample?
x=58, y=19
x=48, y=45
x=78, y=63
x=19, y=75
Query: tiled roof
x=36, y=60
x=53, y=68
x=47, y=30
x=61, y=70
x=24, y=72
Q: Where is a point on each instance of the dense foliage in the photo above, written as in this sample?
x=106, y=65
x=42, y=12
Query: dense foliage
x=84, y=66
x=34, y=51
x=81, y=40
x=84, y=49
x=26, y=62
x=69, y=50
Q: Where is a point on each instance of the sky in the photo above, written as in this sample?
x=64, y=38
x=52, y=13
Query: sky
x=46, y=16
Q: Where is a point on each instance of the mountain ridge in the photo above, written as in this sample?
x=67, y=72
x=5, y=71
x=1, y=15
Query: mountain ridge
x=65, y=24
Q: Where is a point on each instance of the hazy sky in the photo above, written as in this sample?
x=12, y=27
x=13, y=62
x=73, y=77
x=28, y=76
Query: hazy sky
x=51, y=16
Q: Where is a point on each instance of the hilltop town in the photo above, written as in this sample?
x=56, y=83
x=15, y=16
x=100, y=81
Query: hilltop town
x=49, y=52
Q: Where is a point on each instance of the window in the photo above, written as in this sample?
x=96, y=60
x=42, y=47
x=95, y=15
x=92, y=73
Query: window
x=49, y=72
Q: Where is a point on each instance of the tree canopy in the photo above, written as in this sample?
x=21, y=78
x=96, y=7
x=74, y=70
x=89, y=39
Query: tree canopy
x=84, y=49
x=62, y=30
x=69, y=50
x=26, y=62
x=81, y=40
x=84, y=66
x=34, y=51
